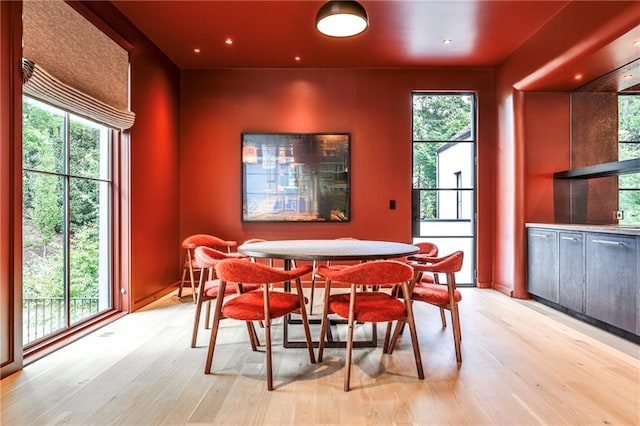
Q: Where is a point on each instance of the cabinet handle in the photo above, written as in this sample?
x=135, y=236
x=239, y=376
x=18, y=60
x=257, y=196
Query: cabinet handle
x=611, y=243
x=569, y=238
x=540, y=235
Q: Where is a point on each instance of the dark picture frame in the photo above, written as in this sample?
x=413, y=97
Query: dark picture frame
x=295, y=177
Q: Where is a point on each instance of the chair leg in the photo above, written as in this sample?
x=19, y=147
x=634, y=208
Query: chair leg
x=196, y=321
x=412, y=330
x=313, y=286
x=347, y=367
x=443, y=318
x=193, y=282
x=396, y=334
x=207, y=315
x=214, y=330
x=457, y=335
x=253, y=338
x=325, y=320
x=305, y=321
x=387, y=338
x=184, y=275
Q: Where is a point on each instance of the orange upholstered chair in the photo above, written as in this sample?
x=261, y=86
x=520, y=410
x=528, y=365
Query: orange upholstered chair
x=427, y=251
x=259, y=305
x=207, y=258
x=445, y=296
x=369, y=306
x=189, y=244
x=314, y=276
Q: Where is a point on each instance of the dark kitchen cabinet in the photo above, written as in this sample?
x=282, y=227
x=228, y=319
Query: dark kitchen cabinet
x=542, y=273
x=611, y=289
x=571, y=270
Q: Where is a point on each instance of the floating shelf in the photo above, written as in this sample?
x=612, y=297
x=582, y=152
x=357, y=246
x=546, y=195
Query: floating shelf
x=615, y=168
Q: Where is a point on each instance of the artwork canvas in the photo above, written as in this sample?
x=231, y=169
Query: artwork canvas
x=299, y=177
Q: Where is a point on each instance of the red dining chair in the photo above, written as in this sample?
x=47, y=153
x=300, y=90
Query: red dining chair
x=259, y=305
x=314, y=275
x=444, y=296
x=207, y=258
x=369, y=306
x=428, y=251
x=189, y=244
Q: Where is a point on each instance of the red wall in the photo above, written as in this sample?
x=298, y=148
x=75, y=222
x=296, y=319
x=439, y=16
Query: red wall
x=373, y=105
x=153, y=246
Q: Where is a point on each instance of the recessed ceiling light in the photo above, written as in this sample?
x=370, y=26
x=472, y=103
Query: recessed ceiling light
x=228, y=41
x=627, y=76
x=196, y=50
x=577, y=77
x=297, y=58
x=636, y=43
x=447, y=41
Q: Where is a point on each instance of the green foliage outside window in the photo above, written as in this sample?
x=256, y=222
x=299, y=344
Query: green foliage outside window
x=61, y=160
x=437, y=119
x=628, y=149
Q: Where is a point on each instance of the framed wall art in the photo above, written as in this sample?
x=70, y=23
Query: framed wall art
x=297, y=177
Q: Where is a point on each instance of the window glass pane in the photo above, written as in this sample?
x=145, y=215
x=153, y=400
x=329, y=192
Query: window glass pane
x=628, y=150
x=43, y=256
x=88, y=248
x=442, y=117
x=88, y=153
x=42, y=137
x=629, y=203
x=629, y=119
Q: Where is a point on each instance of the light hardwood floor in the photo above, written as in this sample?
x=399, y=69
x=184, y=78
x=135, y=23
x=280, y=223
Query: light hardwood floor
x=523, y=364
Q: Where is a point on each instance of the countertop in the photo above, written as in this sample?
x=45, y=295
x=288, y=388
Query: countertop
x=607, y=229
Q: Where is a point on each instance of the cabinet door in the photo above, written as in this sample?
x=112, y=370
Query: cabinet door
x=571, y=270
x=611, y=280
x=542, y=266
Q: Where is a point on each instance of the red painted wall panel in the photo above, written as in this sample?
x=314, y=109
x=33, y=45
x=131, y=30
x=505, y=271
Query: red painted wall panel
x=153, y=187
x=546, y=150
x=373, y=105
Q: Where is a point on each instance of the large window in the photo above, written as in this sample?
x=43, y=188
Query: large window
x=66, y=220
x=444, y=174
x=628, y=149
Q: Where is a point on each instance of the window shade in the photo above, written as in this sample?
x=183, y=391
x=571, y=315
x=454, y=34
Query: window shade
x=43, y=86
x=73, y=65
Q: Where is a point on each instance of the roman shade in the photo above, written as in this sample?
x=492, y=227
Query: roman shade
x=70, y=63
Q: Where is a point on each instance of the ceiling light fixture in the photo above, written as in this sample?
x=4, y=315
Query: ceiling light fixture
x=342, y=18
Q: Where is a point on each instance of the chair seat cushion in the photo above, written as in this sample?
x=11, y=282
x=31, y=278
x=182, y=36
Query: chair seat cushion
x=250, y=307
x=211, y=288
x=369, y=307
x=426, y=278
x=434, y=293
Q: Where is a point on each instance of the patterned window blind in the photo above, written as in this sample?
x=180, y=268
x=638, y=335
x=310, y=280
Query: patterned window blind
x=71, y=64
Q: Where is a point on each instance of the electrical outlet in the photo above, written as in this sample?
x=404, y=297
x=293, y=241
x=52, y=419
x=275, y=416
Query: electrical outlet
x=619, y=215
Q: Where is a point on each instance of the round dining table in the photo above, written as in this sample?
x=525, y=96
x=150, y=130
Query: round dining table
x=338, y=249
x=326, y=250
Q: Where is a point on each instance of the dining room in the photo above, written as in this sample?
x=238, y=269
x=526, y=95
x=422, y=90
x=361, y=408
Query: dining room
x=204, y=86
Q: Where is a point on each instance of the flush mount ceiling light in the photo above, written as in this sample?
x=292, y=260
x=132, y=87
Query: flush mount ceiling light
x=342, y=18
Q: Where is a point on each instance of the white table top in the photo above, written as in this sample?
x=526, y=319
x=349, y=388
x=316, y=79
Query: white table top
x=340, y=249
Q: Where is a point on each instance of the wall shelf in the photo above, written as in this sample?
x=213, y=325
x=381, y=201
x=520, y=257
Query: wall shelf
x=615, y=168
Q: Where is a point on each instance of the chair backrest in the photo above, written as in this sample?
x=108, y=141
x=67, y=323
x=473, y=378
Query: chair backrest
x=196, y=240
x=427, y=249
x=207, y=257
x=381, y=272
x=447, y=264
x=241, y=271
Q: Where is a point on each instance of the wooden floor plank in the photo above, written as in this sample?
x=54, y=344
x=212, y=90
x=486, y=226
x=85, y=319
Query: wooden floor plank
x=523, y=363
